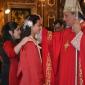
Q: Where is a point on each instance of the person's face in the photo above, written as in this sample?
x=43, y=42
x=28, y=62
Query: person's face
x=17, y=33
x=69, y=18
x=37, y=27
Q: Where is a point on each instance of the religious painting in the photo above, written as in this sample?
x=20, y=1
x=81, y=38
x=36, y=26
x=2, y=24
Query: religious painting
x=19, y=14
x=51, y=2
x=51, y=20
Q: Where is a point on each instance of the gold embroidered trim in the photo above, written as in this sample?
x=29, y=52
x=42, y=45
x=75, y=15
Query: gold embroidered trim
x=66, y=45
x=48, y=71
x=80, y=73
x=49, y=36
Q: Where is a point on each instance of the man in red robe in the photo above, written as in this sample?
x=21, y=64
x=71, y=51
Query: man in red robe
x=51, y=44
x=72, y=70
x=82, y=56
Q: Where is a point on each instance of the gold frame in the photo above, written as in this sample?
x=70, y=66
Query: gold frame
x=50, y=3
x=51, y=19
x=32, y=6
x=19, y=14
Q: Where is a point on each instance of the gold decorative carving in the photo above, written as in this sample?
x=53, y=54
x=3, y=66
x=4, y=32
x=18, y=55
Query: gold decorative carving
x=51, y=19
x=51, y=2
x=21, y=8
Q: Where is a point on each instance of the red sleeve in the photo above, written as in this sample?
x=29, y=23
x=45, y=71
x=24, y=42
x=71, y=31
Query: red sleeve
x=9, y=49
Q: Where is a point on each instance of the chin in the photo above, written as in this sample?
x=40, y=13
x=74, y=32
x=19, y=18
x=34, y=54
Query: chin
x=18, y=38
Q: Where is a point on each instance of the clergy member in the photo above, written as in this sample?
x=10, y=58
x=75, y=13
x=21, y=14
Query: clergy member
x=72, y=70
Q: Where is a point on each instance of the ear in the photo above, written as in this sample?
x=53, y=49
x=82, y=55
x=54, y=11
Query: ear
x=11, y=33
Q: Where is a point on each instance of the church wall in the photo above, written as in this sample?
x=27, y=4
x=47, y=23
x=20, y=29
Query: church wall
x=48, y=9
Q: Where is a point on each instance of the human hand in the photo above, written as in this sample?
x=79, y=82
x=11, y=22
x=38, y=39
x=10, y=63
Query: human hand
x=76, y=27
x=25, y=40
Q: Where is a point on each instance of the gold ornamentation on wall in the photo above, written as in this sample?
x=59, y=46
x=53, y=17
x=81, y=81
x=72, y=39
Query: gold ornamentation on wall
x=1, y=19
x=51, y=20
x=51, y=2
x=19, y=14
x=20, y=10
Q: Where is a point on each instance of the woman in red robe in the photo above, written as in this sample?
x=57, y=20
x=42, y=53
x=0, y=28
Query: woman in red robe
x=30, y=65
x=11, y=32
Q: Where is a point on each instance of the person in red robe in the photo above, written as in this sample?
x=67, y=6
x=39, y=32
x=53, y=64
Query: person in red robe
x=47, y=55
x=82, y=56
x=71, y=71
x=11, y=32
x=51, y=44
x=82, y=21
x=56, y=46
x=30, y=65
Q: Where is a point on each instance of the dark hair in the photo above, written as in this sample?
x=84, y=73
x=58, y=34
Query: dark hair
x=58, y=25
x=26, y=30
x=9, y=26
x=60, y=22
x=81, y=16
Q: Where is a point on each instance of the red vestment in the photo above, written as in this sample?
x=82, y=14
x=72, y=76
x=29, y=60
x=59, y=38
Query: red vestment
x=47, y=56
x=56, y=43
x=68, y=58
x=82, y=57
x=30, y=67
x=13, y=58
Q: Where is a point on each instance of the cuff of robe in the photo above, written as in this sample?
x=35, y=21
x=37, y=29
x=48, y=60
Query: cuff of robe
x=76, y=40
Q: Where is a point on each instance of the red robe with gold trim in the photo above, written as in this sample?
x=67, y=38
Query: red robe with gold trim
x=68, y=58
x=82, y=56
x=47, y=56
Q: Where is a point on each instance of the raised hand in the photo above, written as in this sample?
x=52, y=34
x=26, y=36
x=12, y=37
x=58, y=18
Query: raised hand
x=76, y=26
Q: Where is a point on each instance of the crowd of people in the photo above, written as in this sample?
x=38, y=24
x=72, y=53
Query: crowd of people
x=35, y=55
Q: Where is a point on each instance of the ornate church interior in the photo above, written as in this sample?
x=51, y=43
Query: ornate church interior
x=17, y=10
x=59, y=53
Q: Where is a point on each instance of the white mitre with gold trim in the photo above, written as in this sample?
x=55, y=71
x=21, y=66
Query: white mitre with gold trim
x=72, y=6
